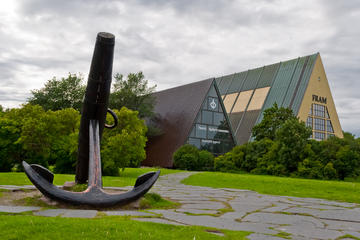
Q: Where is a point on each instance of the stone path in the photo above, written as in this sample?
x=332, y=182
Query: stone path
x=269, y=217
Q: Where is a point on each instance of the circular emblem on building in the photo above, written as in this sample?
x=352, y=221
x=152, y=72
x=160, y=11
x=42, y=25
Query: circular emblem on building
x=213, y=104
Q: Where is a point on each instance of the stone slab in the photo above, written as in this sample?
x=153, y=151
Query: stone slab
x=158, y=220
x=71, y=213
x=128, y=213
x=17, y=209
x=51, y=212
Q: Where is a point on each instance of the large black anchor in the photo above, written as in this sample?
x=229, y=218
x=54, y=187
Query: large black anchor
x=88, y=167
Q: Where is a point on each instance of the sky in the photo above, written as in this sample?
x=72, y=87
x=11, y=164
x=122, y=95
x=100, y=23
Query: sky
x=174, y=42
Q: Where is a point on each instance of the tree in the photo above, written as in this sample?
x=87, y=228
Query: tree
x=273, y=118
x=133, y=93
x=59, y=94
x=124, y=146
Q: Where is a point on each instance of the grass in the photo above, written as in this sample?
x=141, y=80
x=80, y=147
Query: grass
x=126, y=178
x=34, y=227
x=331, y=190
x=155, y=201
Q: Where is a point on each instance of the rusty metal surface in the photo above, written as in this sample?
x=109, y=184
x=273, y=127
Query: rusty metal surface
x=177, y=109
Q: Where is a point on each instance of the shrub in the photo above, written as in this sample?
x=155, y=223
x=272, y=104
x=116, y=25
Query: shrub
x=206, y=161
x=224, y=163
x=188, y=157
x=329, y=171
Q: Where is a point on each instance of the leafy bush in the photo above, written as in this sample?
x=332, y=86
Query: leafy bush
x=124, y=146
x=224, y=163
x=188, y=157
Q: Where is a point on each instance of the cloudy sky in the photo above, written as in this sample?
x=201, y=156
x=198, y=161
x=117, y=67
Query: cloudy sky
x=179, y=41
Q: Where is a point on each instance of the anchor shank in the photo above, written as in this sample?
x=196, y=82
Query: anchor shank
x=94, y=155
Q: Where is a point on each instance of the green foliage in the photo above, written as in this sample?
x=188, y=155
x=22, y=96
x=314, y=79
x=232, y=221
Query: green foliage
x=59, y=94
x=188, y=157
x=133, y=93
x=273, y=119
x=224, y=163
x=124, y=146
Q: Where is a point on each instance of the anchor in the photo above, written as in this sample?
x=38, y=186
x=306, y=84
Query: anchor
x=93, y=116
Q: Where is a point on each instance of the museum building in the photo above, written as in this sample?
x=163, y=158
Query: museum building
x=218, y=113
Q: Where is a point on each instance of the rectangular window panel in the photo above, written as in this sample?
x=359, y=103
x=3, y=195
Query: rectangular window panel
x=319, y=135
x=206, y=117
x=213, y=104
x=319, y=110
x=258, y=98
x=218, y=118
x=229, y=101
x=216, y=133
x=329, y=127
x=310, y=112
x=242, y=101
x=309, y=122
x=327, y=113
x=319, y=124
x=200, y=131
x=195, y=142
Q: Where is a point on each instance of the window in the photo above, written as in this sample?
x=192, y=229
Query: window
x=329, y=127
x=206, y=117
x=319, y=110
x=195, y=142
x=218, y=118
x=200, y=131
x=242, y=101
x=229, y=101
x=309, y=122
x=319, y=124
x=258, y=98
x=319, y=135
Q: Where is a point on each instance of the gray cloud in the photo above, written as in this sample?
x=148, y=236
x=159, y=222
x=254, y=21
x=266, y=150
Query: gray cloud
x=176, y=42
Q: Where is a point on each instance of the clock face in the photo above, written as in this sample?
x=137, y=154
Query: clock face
x=213, y=104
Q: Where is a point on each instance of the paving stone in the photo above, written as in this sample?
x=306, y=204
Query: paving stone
x=258, y=236
x=342, y=225
x=215, y=222
x=51, y=212
x=17, y=209
x=309, y=231
x=282, y=219
x=158, y=220
x=197, y=211
x=128, y=213
x=280, y=207
x=79, y=213
x=213, y=205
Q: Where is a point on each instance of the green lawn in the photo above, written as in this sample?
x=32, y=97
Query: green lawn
x=332, y=190
x=126, y=178
x=34, y=227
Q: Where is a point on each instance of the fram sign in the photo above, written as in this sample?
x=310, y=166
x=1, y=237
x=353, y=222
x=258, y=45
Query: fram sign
x=319, y=99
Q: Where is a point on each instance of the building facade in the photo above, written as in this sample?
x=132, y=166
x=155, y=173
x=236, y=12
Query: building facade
x=219, y=113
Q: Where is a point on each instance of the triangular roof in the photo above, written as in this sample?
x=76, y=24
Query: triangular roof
x=176, y=110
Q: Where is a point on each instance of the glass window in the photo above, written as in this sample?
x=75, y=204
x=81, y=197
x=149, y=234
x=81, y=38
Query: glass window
x=319, y=124
x=242, y=101
x=212, y=92
x=192, y=133
x=200, y=131
x=319, y=135
x=310, y=112
x=319, y=110
x=329, y=127
x=207, y=145
x=198, y=118
x=258, y=98
x=309, y=122
x=218, y=118
x=327, y=113
x=213, y=104
x=229, y=101
x=195, y=142
x=206, y=117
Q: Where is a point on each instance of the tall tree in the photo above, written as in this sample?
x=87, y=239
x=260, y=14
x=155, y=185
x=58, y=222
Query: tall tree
x=133, y=93
x=60, y=93
x=274, y=118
